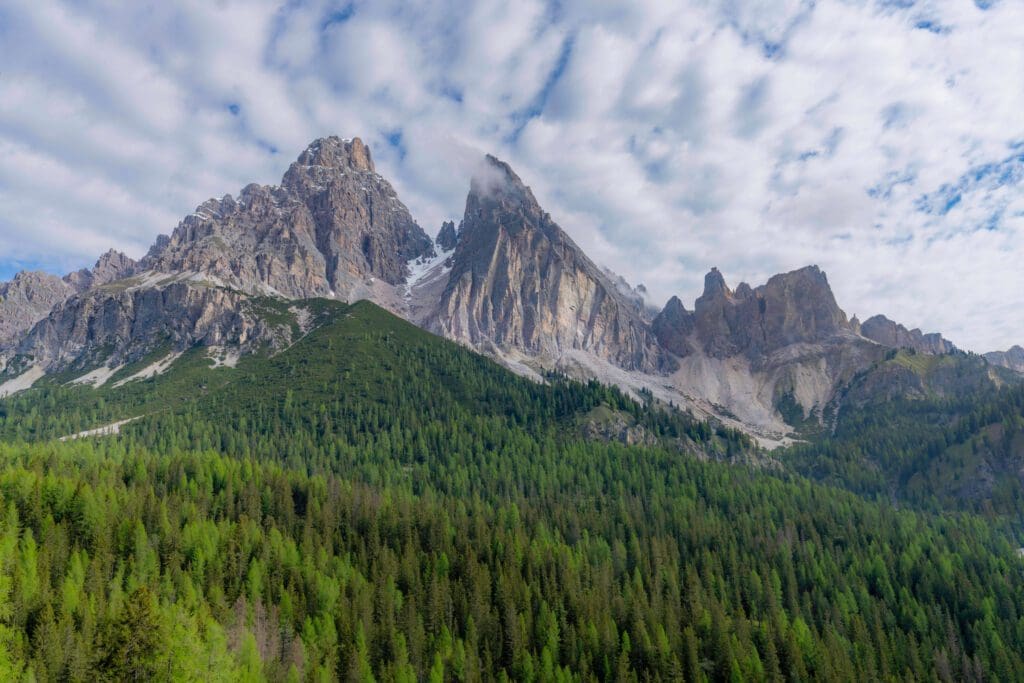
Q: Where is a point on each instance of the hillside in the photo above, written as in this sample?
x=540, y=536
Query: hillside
x=925, y=431
x=377, y=501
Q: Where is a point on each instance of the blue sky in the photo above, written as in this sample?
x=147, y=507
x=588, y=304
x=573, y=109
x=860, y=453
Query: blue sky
x=880, y=139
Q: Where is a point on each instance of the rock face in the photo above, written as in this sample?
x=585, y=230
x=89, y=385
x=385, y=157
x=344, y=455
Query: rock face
x=889, y=333
x=674, y=327
x=110, y=267
x=1012, y=359
x=26, y=300
x=519, y=283
x=331, y=229
x=791, y=308
x=120, y=323
x=447, y=237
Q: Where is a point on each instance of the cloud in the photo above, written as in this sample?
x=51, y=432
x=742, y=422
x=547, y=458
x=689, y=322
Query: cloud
x=878, y=139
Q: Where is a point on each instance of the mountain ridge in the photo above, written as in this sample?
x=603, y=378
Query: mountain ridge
x=509, y=282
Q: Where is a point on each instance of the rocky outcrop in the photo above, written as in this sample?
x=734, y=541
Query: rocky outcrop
x=112, y=266
x=518, y=282
x=26, y=300
x=889, y=333
x=120, y=323
x=1012, y=359
x=791, y=308
x=332, y=228
x=674, y=327
x=447, y=238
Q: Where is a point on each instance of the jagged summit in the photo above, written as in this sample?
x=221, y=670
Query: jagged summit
x=447, y=237
x=333, y=228
x=337, y=153
x=519, y=283
x=887, y=332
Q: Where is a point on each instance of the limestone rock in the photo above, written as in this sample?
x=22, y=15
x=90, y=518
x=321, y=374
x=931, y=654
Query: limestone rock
x=26, y=300
x=518, y=282
x=1012, y=359
x=330, y=229
x=112, y=266
x=889, y=333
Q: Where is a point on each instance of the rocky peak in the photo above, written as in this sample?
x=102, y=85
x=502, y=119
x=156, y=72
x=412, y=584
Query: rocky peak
x=334, y=152
x=26, y=300
x=333, y=228
x=795, y=307
x=110, y=267
x=1012, y=358
x=714, y=285
x=447, y=237
x=890, y=333
x=518, y=282
x=674, y=326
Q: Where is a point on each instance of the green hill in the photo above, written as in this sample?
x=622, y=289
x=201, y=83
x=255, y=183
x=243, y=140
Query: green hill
x=376, y=503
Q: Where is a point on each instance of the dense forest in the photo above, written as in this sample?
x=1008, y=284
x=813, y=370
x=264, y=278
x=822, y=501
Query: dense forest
x=374, y=503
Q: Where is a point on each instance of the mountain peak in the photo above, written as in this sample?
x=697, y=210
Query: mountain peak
x=714, y=284
x=335, y=152
x=495, y=179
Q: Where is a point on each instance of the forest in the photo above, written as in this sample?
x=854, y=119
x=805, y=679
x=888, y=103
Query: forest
x=378, y=504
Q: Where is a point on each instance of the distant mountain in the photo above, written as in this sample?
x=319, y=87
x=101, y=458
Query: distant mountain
x=1012, y=359
x=509, y=282
x=30, y=296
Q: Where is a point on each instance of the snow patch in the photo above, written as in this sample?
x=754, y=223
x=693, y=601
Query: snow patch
x=106, y=430
x=425, y=270
x=22, y=382
x=157, y=368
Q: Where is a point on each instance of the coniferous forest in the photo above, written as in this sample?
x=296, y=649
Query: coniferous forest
x=375, y=503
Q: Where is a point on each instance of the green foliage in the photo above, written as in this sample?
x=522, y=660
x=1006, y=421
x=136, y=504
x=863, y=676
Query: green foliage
x=962, y=452
x=376, y=504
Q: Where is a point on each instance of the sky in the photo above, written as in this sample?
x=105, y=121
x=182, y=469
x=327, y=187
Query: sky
x=882, y=140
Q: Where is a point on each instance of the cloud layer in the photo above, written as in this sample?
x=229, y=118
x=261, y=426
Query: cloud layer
x=882, y=140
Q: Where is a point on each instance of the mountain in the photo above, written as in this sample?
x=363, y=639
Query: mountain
x=519, y=285
x=774, y=361
x=889, y=333
x=772, y=358
x=1012, y=359
x=373, y=499
x=334, y=227
x=30, y=296
x=26, y=300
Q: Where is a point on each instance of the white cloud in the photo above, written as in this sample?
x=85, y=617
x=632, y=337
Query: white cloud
x=665, y=137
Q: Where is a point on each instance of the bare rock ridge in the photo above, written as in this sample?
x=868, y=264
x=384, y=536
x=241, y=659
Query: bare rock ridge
x=30, y=296
x=791, y=308
x=330, y=229
x=120, y=324
x=508, y=282
x=889, y=333
x=26, y=300
x=519, y=283
x=1012, y=359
